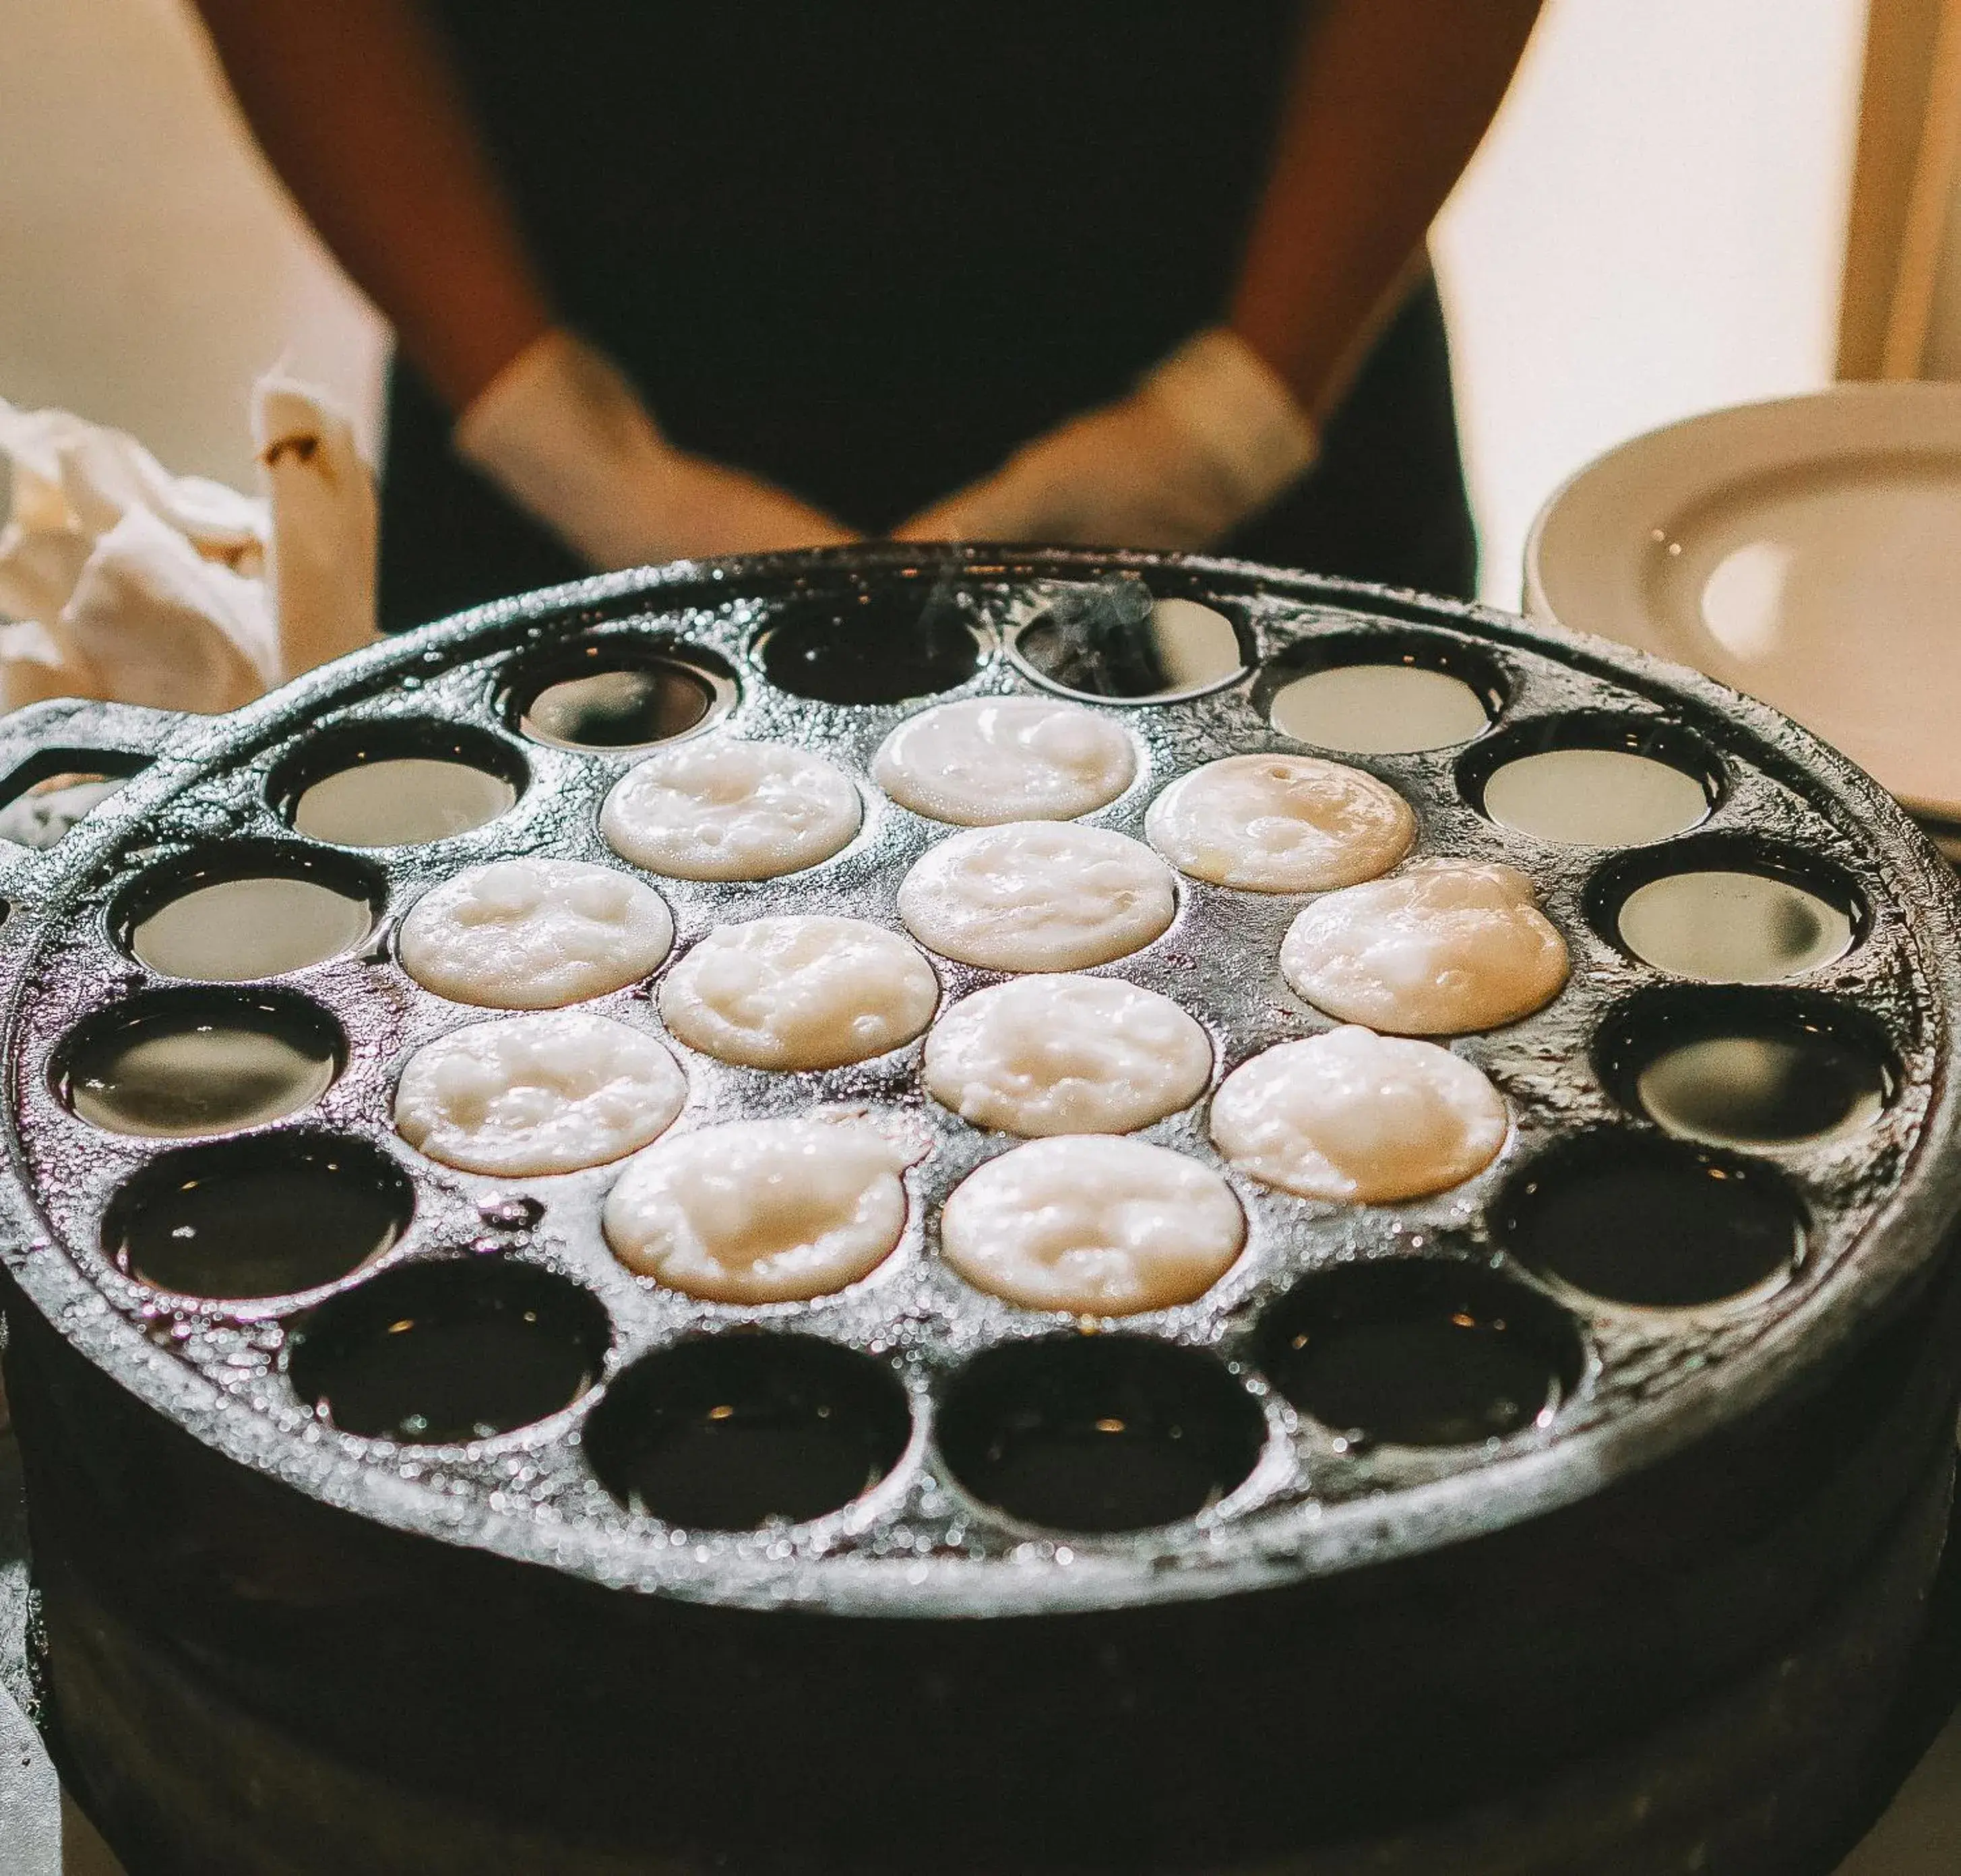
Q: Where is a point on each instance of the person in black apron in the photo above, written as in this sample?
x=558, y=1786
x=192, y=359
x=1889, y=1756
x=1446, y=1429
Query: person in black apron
x=867, y=267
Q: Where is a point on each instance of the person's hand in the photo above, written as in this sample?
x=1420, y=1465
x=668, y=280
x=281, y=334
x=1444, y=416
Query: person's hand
x=563, y=433
x=1207, y=439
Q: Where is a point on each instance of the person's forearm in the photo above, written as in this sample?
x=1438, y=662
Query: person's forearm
x=1388, y=100
x=354, y=103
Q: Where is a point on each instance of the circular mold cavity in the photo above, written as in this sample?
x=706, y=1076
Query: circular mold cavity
x=981, y=761
x=1037, y=895
x=1440, y=948
x=1099, y=1433
x=438, y=1354
x=1421, y=1353
x=1060, y=1054
x=274, y=1216
x=617, y=692
x=1269, y=821
x=1093, y=1226
x=1723, y=911
x=723, y=809
x=730, y=1432
x=234, y=915
x=1352, y=1117
x=548, y=1092
x=534, y=933
x=1756, y=1070
x=397, y=783
x=1382, y=694
x=177, y=1064
x=1113, y=641
x=885, y=647
x=1656, y=1223
x=795, y=992
x=1594, y=778
x=779, y=1211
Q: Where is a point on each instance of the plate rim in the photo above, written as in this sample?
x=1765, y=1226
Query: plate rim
x=1803, y=415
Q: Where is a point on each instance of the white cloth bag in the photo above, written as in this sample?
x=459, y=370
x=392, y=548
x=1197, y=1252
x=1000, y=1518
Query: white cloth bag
x=121, y=581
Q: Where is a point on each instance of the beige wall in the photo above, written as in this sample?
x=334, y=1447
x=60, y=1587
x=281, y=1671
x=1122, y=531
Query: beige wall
x=1654, y=228
x=149, y=267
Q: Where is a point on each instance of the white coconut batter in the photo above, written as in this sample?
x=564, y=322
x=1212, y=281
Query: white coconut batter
x=535, y=934
x=799, y=992
x=1037, y=895
x=1358, y=1117
x=1280, y=824
x=1096, y=1226
x=761, y=1211
x=721, y=810
x=1443, y=947
x=1040, y=1055
x=991, y=759
x=532, y=1095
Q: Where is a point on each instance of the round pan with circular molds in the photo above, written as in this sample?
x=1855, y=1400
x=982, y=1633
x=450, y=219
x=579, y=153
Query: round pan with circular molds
x=1221, y=967
x=1286, y=1563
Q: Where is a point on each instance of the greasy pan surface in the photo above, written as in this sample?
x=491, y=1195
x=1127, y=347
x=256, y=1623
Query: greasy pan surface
x=1648, y=1384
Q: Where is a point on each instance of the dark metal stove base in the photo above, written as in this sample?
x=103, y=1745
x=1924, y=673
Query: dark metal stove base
x=1778, y=1776
x=1841, y=1811
x=1774, y=1779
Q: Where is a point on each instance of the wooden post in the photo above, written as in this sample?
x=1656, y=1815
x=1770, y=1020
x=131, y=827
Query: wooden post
x=1908, y=165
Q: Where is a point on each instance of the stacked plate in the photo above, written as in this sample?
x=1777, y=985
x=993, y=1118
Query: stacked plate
x=1807, y=550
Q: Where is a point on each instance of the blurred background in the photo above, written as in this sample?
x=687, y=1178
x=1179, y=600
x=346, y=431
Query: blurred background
x=1657, y=224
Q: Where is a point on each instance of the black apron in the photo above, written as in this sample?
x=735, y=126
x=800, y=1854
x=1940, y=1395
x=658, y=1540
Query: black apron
x=869, y=250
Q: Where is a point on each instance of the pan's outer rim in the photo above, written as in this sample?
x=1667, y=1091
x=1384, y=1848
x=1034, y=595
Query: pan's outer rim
x=1903, y=1248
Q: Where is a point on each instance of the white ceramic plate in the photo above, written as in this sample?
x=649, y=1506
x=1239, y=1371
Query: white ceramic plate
x=1807, y=550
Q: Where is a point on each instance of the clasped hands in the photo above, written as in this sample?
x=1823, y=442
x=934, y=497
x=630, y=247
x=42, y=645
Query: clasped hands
x=1205, y=440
